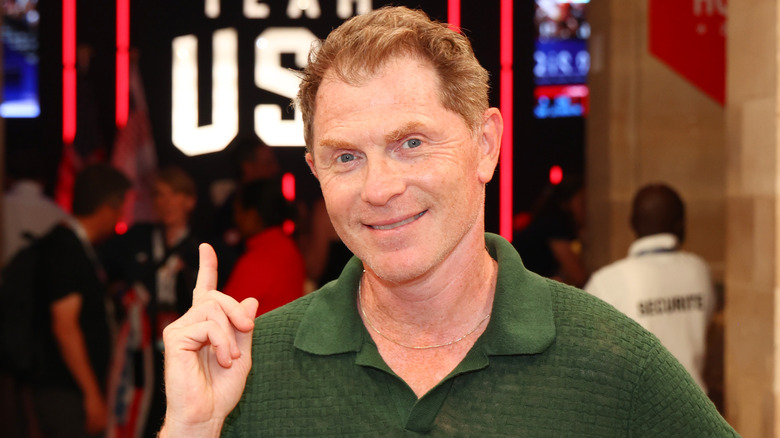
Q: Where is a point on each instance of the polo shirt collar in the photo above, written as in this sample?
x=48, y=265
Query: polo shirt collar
x=661, y=242
x=521, y=321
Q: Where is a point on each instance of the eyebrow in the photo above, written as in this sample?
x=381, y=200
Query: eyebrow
x=390, y=137
x=404, y=130
x=328, y=143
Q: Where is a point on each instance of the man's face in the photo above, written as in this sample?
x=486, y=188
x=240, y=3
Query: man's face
x=172, y=208
x=403, y=177
x=264, y=166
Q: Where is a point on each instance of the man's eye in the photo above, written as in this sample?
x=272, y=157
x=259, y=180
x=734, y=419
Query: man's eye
x=412, y=143
x=345, y=158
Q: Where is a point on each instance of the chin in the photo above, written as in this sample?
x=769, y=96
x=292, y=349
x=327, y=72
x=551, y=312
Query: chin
x=395, y=272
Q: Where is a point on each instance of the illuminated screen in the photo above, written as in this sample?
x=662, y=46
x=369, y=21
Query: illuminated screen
x=561, y=58
x=20, y=59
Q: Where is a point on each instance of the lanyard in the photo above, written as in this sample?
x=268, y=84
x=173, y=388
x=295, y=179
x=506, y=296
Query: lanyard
x=654, y=251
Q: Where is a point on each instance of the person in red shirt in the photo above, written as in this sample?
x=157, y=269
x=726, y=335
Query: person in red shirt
x=271, y=269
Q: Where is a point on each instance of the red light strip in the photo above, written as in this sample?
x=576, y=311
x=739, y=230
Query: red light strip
x=122, y=61
x=68, y=71
x=453, y=15
x=507, y=84
x=288, y=186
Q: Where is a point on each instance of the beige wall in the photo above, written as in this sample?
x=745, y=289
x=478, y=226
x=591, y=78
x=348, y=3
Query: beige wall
x=753, y=200
x=648, y=124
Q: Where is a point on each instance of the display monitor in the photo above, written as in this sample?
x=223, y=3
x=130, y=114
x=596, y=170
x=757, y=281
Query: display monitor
x=20, y=59
x=561, y=58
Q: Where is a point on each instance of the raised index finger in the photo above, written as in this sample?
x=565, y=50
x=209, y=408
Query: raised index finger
x=207, y=272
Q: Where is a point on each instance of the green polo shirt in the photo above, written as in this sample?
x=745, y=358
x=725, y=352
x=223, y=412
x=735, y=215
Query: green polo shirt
x=553, y=361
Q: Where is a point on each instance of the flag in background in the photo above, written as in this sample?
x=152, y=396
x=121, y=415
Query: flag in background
x=134, y=152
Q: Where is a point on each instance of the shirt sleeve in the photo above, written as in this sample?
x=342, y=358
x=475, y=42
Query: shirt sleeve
x=667, y=402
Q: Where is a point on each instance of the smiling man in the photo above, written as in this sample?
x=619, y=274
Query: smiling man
x=435, y=327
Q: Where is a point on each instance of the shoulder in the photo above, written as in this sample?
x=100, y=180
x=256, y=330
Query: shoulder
x=608, y=348
x=58, y=240
x=277, y=329
x=592, y=335
x=693, y=260
x=583, y=315
x=603, y=278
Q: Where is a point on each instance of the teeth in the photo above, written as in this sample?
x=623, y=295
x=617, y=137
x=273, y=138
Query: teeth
x=398, y=224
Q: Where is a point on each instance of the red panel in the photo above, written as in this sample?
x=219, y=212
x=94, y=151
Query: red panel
x=690, y=37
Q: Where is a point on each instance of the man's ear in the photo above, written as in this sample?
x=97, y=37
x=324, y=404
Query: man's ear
x=310, y=162
x=489, y=144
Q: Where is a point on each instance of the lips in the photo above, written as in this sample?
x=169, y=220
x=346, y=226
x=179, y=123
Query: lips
x=399, y=223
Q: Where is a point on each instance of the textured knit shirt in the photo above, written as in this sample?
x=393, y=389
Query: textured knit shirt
x=553, y=361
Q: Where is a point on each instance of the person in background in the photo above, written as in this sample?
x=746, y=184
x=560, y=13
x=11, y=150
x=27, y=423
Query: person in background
x=549, y=244
x=69, y=383
x=153, y=267
x=666, y=290
x=27, y=213
x=434, y=327
x=252, y=159
x=323, y=251
x=271, y=270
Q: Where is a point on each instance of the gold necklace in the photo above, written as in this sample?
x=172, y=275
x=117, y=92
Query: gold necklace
x=414, y=347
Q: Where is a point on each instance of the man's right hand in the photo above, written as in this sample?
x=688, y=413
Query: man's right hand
x=208, y=354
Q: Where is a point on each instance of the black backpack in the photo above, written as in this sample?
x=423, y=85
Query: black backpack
x=18, y=284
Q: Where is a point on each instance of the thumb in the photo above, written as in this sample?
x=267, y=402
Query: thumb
x=244, y=338
x=250, y=305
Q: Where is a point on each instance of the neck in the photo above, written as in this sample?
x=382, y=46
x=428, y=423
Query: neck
x=173, y=233
x=91, y=227
x=436, y=309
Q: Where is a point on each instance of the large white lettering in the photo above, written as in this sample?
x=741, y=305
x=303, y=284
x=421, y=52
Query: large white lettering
x=709, y=7
x=344, y=8
x=212, y=8
x=252, y=9
x=187, y=136
x=296, y=7
x=271, y=76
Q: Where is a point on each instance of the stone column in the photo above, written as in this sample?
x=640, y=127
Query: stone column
x=753, y=199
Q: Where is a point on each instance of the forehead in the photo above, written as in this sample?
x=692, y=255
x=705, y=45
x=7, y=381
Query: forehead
x=403, y=86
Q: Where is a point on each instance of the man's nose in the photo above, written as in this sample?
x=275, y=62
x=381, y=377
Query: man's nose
x=383, y=181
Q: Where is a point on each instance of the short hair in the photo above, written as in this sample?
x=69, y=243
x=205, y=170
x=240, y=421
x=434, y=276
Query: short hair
x=179, y=180
x=265, y=197
x=356, y=50
x=658, y=208
x=243, y=150
x=97, y=185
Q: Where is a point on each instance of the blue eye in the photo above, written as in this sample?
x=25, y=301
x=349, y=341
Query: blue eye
x=412, y=143
x=345, y=158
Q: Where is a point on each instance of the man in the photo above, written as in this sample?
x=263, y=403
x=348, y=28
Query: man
x=70, y=379
x=668, y=291
x=434, y=327
x=27, y=213
x=271, y=270
x=252, y=160
x=152, y=267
